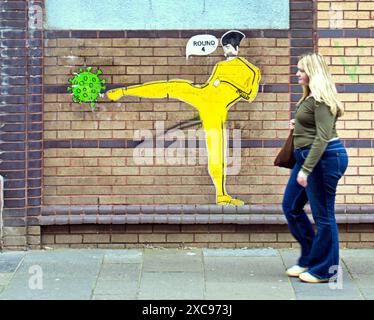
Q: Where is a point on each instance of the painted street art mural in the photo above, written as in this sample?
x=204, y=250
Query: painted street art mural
x=231, y=80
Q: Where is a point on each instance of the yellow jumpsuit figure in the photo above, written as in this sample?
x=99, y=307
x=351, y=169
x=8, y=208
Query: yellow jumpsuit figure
x=231, y=80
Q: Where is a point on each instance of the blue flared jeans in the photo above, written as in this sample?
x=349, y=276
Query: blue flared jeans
x=320, y=250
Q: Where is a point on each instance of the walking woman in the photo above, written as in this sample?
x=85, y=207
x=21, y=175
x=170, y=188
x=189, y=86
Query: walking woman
x=321, y=161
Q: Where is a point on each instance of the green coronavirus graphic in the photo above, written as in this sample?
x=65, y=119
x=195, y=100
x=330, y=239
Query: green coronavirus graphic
x=87, y=86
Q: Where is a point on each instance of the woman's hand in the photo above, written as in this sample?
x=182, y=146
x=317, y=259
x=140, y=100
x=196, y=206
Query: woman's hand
x=302, y=179
x=216, y=82
x=292, y=124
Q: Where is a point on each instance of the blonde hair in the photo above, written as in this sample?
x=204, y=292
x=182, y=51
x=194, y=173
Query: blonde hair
x=321, y=83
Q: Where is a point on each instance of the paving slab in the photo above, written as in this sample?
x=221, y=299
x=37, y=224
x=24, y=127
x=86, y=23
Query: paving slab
x=344, y=289
x=240, y=253
x=247, y=291
x=359, y=265
x=120, y=271
x=364, y=280
x=171, y=285
x=51, y=289
x=9, y=261
x=61, y=265
x=7, y=255
x=361, y=269
x=358, y=253
x=123, y=256
x=172, y=260
x=64, y=255
x=125, y=289
x=5, y=278
x=113, y=297
x=246, y=278
x=60, y=274
x=243, y=268
x=177, y=274
x=289, y=257
x=367, y=293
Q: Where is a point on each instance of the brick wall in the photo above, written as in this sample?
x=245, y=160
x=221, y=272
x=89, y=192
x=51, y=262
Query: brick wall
x=345, y=14
x=21, y=122
x=206, y=236
x=110, y=176
x=113, y=178
x=105, y=176
x=345, y=39
x=64, y=164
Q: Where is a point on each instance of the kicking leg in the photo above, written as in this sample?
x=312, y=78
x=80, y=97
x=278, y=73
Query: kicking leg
x=158, y=89
x=182, y=90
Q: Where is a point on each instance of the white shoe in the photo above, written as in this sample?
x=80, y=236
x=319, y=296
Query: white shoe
x=307, y=277
x=295, y=271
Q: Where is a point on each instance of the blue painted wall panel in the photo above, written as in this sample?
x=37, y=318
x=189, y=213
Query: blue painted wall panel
x=167, y=14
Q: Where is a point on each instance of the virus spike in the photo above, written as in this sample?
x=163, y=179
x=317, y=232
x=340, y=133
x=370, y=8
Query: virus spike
x=81, y=70
x=99, y=72
x=92, y=104
x=89, y=69
x=103, y=81
x=70, y=88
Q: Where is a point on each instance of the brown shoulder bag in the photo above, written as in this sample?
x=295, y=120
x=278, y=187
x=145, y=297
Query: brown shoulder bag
x=285, y=157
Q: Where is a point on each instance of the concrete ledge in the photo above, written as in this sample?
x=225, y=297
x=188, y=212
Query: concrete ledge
x=188, y=214
x=187, y=209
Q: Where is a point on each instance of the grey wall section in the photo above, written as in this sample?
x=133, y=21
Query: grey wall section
x=167, y=14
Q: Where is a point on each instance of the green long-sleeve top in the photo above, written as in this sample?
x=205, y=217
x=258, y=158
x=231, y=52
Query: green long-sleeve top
x=314, y=126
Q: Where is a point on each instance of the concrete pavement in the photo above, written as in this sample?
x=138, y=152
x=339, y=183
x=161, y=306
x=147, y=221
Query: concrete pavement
x=177, y=274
